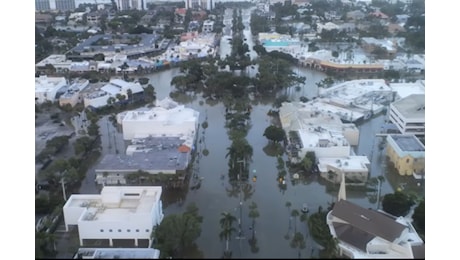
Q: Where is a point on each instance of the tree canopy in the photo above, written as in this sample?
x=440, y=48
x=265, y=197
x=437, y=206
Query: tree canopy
x=397, y=204
x=274, y=133
x=178, y=232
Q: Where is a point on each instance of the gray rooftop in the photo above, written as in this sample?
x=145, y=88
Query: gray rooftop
x=408, y=143
x=412, y=106
x=147, y=41
x=156, y=153
x=368, y=223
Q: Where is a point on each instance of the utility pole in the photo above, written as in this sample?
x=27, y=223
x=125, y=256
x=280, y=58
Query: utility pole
x=63, y=189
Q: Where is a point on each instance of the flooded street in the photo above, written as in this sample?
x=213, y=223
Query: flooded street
x=274, y=227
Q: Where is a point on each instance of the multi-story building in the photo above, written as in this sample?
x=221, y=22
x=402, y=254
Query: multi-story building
x=119, y=215
x=112, y=89
x=170, y=120
x=310, y=129
x=208, y=26
x=131, y=4
x=355, y=169
x=408, y=114
x=42, y=5
x=407, y=154
x=72, y=95
x=46, y=88
x=65, y=5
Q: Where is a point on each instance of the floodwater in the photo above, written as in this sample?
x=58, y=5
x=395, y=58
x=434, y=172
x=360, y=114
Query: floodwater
x=215, y=195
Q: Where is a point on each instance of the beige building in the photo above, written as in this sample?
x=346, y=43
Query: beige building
x=407, y=154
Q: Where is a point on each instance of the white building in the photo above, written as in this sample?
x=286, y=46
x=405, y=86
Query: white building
x=408, y=114
x=118, y=214
x=327, y=26
x=72, y=95
x=355, y=169
x=362, y=97
x=46, y=88
x=369, y=234
x=168, y=119
x=111, y=90
x=208, y=26
x=313, y=130
x=117, y=253
x=406, y=89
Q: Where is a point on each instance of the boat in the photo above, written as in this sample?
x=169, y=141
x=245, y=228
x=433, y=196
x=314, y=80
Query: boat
x=305, y=208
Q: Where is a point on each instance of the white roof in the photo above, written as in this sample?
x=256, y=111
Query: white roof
x=116, y=203
x=409, y=88
x=346, y=164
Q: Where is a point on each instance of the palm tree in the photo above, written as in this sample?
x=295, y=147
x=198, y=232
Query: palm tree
x=298, y=241
x=129, y=92
x=288, y=205
x=253, y=213
x=295, y=213
x=226, y=223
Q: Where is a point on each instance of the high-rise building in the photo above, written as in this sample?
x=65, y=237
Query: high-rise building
x=42, y=5
x=65, y=5
x=130, y=4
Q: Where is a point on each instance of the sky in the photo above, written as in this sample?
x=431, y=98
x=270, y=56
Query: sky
x=18, y=131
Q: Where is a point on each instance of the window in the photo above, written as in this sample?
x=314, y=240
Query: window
x=119, y=230
x=147, y=230
x=137, y=230
x=110, y=230
x=102, y=230
x=128, y=230
x=407, y=160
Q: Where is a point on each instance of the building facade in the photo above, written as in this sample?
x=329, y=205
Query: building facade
x=42, y=5
x=407, y=154
x=355, y=169
x=72, y=95
x=408, y=114
x=168, y=120
x=65, y=5
x=46, y=88
x=119, y=214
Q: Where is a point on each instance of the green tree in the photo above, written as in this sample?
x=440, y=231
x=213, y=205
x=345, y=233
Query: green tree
x=274, y=133
x=83, y=145
x=298, y=241
x=295, y=213
x=93, y=129
x=226, y=223
x=308, y=161
x=419, y=217
x=253, y=214
x=397, y=204
x=44, y=245
x=288, y=205
x=177, y=233
x=149, y=93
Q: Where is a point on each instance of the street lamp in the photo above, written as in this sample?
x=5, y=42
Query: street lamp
x=240, y=220
x=378, y=192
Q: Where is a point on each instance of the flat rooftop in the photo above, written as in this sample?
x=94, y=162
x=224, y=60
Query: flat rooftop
x=349, y=163
x=409, y=88
x=412, y=106
x=145, y=41
x=116, y=203
x=158, y=153
x=408, y=143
